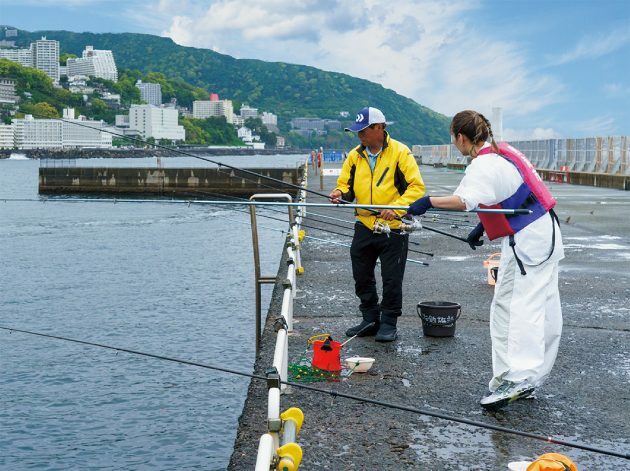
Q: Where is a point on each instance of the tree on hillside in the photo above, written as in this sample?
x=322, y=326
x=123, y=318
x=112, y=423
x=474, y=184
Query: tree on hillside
x=63, y=58
x=44, y=110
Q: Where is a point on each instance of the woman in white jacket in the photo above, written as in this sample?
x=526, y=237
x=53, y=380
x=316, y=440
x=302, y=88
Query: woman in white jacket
x=525, y=315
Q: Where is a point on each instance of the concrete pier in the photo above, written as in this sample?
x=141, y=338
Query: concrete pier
x=165, y=181
x=585, y=400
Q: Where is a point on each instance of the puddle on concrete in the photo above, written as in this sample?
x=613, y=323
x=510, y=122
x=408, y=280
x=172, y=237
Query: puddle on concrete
x=457, y=258
x=409, y=350
x=597, y=246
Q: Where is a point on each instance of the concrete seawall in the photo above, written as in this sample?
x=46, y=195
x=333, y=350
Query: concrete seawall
x=164, y=181
x=118, y=153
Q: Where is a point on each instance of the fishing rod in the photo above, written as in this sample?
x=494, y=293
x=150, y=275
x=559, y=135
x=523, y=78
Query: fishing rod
x=377, y=229
x=334, y=394
x=327, y=230
x=334, y=242
x=370, y=208
x=252, y=203
x=308, y=216
x=276, y=180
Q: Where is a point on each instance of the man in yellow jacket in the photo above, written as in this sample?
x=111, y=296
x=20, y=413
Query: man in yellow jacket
x=380, y=171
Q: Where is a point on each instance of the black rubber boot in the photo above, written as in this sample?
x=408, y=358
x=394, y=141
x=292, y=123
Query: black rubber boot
x=370, y=331
x=387, y=331
x=368, y=317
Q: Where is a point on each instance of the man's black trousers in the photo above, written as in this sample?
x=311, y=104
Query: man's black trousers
x=366, y=249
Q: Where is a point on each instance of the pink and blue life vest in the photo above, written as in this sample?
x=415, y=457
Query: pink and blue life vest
x=532, y=195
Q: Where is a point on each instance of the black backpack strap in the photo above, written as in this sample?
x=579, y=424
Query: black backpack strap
x=554, y=220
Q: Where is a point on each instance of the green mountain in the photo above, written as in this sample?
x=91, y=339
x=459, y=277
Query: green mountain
x=287, y=90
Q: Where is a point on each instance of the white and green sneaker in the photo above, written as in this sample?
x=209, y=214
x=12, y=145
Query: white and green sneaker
x=506, y=393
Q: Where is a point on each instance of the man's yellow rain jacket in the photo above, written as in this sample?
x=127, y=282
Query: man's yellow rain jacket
x=395, y=181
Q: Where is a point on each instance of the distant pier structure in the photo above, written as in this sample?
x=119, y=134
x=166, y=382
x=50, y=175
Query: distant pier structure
x=594, y=161
x=178, y=182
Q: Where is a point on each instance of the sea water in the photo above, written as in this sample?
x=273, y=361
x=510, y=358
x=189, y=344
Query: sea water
x=161, y=278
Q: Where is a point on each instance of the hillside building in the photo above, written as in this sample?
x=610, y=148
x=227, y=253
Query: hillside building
x=248, y=112
x=7, y=136
x=269, y=119
x=93, y=63
x=46, y=57
x=308, y=126
x=7, y=91
x=31, y=133
x=22, y=56
x=156, y=122
x=151, y=93
x=43, y=54
x=203, y=109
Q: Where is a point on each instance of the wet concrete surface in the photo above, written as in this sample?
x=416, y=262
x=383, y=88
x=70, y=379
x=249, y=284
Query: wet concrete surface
x=586, y=399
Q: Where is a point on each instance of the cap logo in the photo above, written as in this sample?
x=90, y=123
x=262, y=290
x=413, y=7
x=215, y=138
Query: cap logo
x=360, y=117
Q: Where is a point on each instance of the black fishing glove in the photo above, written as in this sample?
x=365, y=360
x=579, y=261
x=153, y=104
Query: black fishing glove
x=421, y=206
x=474, y=238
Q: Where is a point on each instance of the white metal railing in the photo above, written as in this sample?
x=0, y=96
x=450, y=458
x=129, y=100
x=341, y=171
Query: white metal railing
x=608, y=155
x=277, y=448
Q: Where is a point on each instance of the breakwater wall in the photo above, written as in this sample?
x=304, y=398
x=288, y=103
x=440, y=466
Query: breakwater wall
x=603, y=180
x=166, y=181
x=139, y=153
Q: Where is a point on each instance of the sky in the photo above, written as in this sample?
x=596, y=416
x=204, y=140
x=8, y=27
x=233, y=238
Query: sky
x=557, y=68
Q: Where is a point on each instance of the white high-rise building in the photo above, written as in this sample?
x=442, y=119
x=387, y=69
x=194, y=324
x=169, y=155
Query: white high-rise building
x=43, y=54
x=46, y=57
x=7, y=136
x=158, y=123
x=150, y=92
x=203, y=109
x=93, y=63
x=22, y=56
x=31, y=133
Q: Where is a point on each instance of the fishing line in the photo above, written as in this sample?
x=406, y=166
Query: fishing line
x=334, y=394
x=308, y=216
x=323, y=230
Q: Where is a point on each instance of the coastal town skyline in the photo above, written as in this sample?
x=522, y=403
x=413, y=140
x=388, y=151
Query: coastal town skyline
x=558, y=69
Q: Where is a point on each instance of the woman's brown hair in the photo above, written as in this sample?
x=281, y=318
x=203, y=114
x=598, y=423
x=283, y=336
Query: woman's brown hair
x=474, y=126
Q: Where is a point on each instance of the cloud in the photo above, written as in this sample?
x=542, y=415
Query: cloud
x=422, y=49
x=54, y=3
x=597, y=126
x=616, y=90
x=530, y=134
x=593, y=47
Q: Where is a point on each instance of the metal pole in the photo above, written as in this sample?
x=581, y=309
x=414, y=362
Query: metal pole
x=258, y=278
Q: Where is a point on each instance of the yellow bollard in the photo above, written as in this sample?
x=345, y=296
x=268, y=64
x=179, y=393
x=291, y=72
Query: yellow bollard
x=299, y=270
x=290, y=457
x=295, y=414
x=301, y=234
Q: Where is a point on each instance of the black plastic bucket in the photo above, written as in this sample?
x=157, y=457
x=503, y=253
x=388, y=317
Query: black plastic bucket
x=438, y=317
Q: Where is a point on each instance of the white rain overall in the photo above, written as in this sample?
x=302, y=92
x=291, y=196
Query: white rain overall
x=525, y=315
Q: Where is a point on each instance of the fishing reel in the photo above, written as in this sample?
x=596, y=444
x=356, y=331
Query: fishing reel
x=406, y=227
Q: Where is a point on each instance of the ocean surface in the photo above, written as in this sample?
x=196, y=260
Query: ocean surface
x=167, y=279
